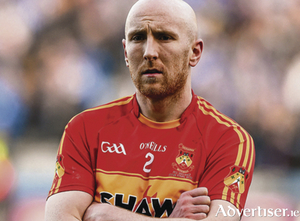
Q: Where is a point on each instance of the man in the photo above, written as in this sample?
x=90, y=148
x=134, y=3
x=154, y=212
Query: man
x=163, y=152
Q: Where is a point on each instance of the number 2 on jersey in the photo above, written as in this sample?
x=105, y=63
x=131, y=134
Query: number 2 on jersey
x=148, y=162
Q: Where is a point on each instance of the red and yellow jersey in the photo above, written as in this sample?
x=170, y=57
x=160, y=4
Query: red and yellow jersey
x=120, y=157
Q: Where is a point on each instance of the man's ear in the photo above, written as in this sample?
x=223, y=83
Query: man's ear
x=125, y=52
x=197, y=52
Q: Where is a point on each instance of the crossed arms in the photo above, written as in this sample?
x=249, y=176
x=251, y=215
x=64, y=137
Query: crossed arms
x=76, y=205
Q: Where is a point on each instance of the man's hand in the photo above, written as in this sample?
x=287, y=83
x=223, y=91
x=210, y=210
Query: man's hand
x=192, y=204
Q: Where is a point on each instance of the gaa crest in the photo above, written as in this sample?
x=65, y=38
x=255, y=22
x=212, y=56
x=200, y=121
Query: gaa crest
x=236, y=179
x=184, y=159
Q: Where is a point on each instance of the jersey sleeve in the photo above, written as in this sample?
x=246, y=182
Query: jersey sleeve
x=229, y=167
x=73, y=168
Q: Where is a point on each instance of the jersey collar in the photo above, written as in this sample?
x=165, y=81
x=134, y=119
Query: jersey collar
x=159, y=125
x=168, y=124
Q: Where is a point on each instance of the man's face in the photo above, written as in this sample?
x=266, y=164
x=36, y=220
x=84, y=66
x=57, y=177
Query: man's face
x=157, y=50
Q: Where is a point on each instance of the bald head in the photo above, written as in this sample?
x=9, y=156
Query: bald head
x=175, y=10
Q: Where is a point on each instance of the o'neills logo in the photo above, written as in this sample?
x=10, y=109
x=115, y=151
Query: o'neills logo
x=184, y=159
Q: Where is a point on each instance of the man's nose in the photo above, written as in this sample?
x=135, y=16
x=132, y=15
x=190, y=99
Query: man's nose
x=151, y=49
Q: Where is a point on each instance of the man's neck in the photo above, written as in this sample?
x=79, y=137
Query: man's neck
x=165, y=109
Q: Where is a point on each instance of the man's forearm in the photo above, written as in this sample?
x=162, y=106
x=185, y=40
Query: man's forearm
x=67, y=206
x=107, y=212
x=191, y=205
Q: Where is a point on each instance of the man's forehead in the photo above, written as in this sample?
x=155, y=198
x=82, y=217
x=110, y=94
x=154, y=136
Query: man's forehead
x=153, y=26
x=173, y=13
x=161, y=7
x=158, y=20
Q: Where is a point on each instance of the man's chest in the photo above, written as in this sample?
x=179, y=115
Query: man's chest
x=145, y=169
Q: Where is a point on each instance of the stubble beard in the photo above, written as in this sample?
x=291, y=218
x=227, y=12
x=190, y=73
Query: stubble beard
x=165, y=86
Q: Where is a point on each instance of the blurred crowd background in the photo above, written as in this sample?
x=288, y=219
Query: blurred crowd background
x=60, y=57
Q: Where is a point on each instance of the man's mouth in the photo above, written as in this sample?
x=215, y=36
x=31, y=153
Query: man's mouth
x=151, y=72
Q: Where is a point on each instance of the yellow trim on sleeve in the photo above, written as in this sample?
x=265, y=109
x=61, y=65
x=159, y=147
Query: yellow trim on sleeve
x=252, y=154
x=240, y=131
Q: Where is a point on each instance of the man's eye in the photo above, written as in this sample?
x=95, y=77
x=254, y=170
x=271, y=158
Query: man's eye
x=137, y=38
x=165, y=37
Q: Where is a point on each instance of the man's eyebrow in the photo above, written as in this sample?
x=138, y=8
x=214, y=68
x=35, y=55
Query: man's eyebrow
x=165, y=32
x=155, y=31
x=135, y=31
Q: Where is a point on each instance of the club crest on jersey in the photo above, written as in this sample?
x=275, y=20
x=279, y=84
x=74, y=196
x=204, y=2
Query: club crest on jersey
x=59, y=167
x=184, y=159
x=236, y=179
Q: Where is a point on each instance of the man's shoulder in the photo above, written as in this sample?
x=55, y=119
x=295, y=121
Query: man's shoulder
x=107, y=112
x=209, y=117
x=217, y=128
x=120, y=105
